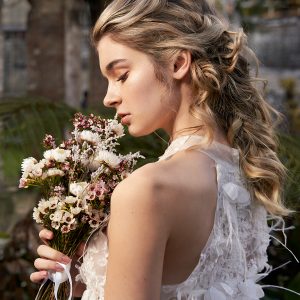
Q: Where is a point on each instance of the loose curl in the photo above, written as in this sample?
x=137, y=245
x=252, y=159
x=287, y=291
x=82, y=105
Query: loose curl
x=224, y=91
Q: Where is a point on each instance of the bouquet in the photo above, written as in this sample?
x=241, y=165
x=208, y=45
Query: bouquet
x=76, y=179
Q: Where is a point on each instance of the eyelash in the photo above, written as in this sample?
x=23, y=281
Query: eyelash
x=123, y=77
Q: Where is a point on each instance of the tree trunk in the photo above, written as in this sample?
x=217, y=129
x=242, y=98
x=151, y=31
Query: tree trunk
x=98, y=85
x=45, y=42
x=1, y=53
x=73, y=61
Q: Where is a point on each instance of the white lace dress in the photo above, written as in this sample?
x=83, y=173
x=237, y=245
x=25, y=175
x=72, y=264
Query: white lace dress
x=234, y=257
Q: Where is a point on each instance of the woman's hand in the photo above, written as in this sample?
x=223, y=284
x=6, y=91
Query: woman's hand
x=49, y=258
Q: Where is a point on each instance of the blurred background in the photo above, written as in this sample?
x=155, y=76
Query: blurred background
x=48, y=70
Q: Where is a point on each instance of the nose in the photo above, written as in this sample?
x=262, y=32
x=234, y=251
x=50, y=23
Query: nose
x=112, y=97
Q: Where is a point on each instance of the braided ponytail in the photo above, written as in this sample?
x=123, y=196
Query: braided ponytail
x=223, y=89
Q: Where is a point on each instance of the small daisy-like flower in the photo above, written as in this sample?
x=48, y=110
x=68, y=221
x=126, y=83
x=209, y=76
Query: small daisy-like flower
x=94, y=223
x=118, y=129
x=56, y=216
x=53, y=202
x=89, y=136
x=65, y=229
x=105, y=156
x=53, y=172
x=78, y=188
x=55, y=225
x=68, y=217
x=28, y=164
x=43, y=206
x=70, y=199
x=37, y=216
x=75, y=210
x=57, y=154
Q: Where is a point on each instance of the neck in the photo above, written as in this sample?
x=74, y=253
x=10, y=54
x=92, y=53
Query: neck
x=184, y=123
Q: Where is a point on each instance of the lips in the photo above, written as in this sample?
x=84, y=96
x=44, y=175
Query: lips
x=125, y=117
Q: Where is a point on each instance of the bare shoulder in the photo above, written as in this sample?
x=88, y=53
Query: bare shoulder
x=156, y=187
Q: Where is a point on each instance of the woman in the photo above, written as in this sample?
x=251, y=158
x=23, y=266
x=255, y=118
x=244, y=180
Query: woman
x=194, y=224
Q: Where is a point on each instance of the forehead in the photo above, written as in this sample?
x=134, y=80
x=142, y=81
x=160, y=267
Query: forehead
x=110, y=50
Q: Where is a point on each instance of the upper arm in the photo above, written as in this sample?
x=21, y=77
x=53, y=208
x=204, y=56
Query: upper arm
x=138, y=231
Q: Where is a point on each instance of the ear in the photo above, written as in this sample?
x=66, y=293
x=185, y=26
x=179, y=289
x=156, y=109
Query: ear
x=181, y=64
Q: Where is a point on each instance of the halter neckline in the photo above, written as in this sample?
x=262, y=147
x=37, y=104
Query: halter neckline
x=186, y=141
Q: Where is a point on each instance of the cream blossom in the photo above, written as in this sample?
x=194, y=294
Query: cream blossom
x=105, y=156
x=75, y=210
x=78, y=188
x=36, y=216
x=68, y=218
x=53, y=202
x=27, y=166
x=117, y=128
x=55, y=224
x=53, y=172
x=56, y=216
x=89, y=136
x=70, y=199
x=43, y=206
x=57, y=154
x=37, y=170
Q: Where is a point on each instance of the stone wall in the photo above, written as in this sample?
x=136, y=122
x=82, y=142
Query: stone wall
x=277, y=42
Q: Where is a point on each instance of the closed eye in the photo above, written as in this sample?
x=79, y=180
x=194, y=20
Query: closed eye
x=123, y=77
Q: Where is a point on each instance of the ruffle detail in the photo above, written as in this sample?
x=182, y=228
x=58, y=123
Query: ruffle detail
x=92, y=271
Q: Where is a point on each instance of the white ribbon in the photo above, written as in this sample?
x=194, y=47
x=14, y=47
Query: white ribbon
x=57, y=278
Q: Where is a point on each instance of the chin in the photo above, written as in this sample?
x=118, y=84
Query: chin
x=139, y=132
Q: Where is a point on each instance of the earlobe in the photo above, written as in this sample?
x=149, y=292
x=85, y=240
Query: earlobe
x=181, y=64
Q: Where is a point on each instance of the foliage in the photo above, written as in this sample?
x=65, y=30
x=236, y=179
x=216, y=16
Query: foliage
x=23, y=124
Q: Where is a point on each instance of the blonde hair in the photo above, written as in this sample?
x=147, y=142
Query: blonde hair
x=224, y=90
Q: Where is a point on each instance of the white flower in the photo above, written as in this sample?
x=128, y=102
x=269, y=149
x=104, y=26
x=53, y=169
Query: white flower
x=68, y=218
x=56, y=216
x=117, y=128
x=89, y=136
x=61, y=205
x=55, y=225
x=27, y=166
x=70, y=199
x=65, y=229
x=78, y=188
x=53, y=172
x=105, y=156
x=57, y=154
x=75, y=210
x=53, y=202
x=43, y=206
x=94, y=223
x=37, y=170
x=36, y=215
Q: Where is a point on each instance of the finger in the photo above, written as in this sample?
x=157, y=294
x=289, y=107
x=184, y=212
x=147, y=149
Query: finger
x=52, y=254
x=46, y=264
x=37, y=277
x=45, y=235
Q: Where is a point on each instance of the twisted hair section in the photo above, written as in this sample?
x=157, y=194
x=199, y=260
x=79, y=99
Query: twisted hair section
x=225, y=93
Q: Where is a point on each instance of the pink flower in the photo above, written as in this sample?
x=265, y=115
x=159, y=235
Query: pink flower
x=23, y=183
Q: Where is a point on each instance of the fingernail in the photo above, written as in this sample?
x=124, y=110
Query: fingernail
x=59, y=268
x=65, y=259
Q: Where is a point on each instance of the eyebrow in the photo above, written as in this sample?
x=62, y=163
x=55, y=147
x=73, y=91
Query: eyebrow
x=112, y=64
